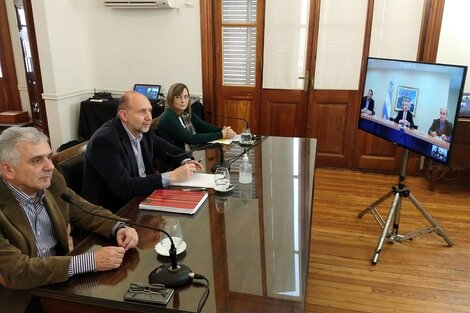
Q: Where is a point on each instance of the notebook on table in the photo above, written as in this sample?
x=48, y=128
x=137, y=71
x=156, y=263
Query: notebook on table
x=175, y=201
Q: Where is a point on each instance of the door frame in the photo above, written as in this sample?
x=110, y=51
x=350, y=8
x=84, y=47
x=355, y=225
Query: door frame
x=9, y=94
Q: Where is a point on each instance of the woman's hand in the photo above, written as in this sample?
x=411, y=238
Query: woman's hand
x=227, y=132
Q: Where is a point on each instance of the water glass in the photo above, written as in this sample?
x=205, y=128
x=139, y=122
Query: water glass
x=245, y=136
x=173, y=228
x=222, y=179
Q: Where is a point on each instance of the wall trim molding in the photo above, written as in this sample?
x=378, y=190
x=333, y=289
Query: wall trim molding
x=84, y=92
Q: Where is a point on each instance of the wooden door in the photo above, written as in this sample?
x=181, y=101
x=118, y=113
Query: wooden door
x=9, y=95
x=24, y=13
x=288, y=67
x=269, y=111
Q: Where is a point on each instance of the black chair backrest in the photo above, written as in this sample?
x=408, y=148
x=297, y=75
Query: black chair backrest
x=73, y=170
x=71, y=163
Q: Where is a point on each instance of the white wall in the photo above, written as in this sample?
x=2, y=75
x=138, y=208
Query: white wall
x=84, y=45
x=454, y=46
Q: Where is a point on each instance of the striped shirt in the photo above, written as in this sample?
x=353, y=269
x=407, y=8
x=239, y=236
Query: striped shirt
x=135, y=142
x=43, y=230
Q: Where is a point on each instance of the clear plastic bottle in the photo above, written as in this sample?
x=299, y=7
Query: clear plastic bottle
x=245, y=175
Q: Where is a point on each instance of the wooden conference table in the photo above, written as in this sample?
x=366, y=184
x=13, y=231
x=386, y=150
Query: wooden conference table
x=253, y=245
x=415, y=133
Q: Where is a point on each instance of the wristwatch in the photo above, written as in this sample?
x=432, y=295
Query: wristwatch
x=119, y=226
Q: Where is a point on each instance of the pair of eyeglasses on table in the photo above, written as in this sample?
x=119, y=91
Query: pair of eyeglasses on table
x=150, y=293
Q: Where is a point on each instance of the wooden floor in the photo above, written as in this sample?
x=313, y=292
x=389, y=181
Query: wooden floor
x=422, y=275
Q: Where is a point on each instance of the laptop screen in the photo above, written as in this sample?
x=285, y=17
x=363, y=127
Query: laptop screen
x=150, y=91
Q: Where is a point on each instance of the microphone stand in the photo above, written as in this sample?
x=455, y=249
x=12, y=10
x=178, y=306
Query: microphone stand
x=197, y=148
x=171, y=276
x=222, y=162
x=228, y=163
x=232, y=118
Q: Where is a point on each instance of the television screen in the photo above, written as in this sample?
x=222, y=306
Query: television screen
x=413, y=104
x=150, y=91
x=465, y=105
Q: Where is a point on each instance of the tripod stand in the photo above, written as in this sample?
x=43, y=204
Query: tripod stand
x=399, y=192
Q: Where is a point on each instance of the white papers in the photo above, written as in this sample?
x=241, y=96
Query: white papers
x=227, y=141
x=198, y=180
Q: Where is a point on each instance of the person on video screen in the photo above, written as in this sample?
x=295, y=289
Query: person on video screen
x=404, y=117
x=367, y=103
x=441, y=127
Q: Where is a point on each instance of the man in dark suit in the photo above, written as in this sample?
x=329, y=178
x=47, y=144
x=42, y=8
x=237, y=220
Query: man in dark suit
x=441, y=127
x=367, y=103
x=404, y=117
x=120, y=157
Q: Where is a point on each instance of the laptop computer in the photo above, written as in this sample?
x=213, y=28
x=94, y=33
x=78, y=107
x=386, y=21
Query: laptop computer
x=150, y=91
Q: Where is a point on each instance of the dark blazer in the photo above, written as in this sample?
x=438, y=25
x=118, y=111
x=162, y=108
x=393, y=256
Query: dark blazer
x=111, y=174
x=409, y=118
x=20, y=267
x=436, y=128
x=171, y=129
x=371, y=104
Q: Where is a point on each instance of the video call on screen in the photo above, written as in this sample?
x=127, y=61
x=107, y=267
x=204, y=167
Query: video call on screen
x=427, y=87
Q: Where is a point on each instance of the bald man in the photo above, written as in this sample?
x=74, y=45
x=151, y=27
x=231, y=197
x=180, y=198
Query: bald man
x=121, y=154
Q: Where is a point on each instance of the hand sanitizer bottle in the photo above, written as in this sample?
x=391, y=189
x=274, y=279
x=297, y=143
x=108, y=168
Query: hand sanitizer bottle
x=245, y=176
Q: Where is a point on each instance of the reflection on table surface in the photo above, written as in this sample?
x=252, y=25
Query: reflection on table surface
x=253, y=245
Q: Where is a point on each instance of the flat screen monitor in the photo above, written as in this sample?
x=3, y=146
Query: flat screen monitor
x=413, y=104
x=465, y=105
x=150, y=91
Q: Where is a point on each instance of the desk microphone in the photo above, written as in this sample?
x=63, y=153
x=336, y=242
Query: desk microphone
x=245, y=137
x=245, y=150
x=232, y=118
x=197, y=148
x=172, y=276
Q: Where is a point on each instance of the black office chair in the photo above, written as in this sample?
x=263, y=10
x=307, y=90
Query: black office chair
x=73, y=170
x=198, y=108
x=155, y=122
x=70, y=162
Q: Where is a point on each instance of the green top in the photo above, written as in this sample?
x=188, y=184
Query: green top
x=170, y=128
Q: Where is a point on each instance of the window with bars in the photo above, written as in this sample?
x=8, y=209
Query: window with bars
x=239, y=31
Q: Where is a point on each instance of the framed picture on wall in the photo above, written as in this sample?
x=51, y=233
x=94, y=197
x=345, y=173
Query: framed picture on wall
x=407, y=93
x=465, y=105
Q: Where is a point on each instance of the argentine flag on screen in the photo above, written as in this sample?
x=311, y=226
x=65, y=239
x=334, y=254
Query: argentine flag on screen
x=387, y=106
x=385, y=109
